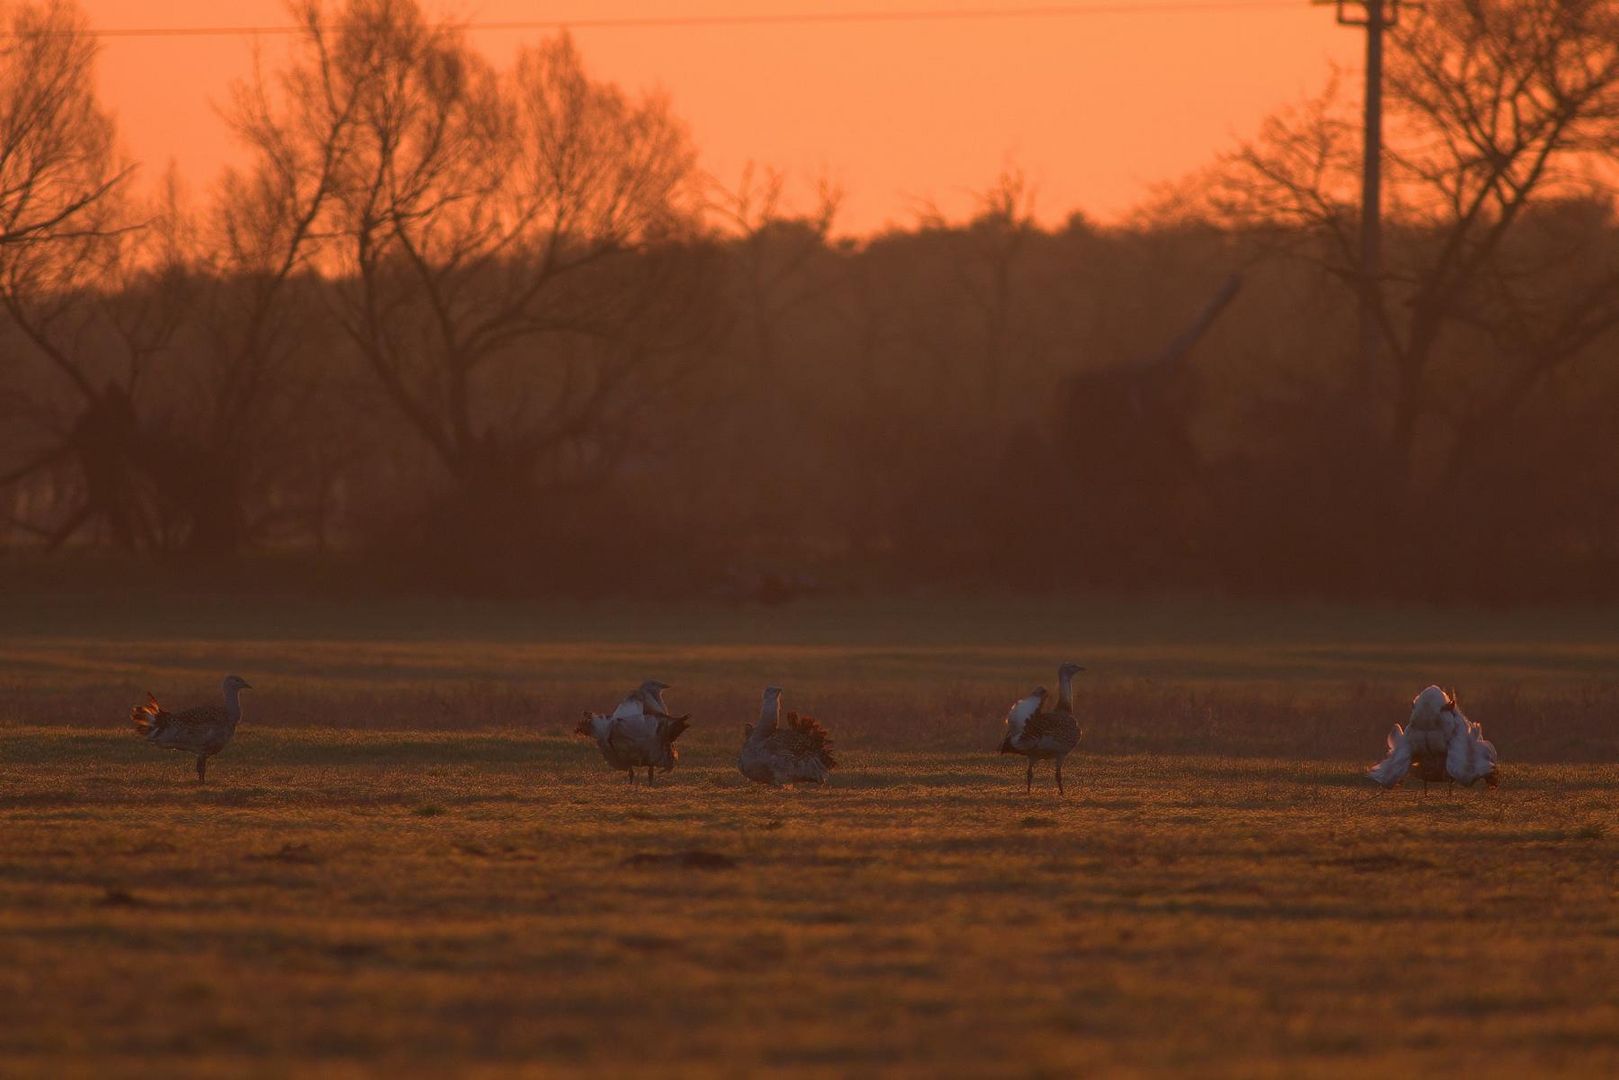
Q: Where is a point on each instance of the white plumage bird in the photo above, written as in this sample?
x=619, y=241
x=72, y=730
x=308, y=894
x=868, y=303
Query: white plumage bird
x=638, y=733
x=1440, y=742
x=1038, y=734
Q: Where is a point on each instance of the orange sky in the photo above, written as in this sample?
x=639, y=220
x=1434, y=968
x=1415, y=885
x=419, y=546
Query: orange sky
x=1094, y=109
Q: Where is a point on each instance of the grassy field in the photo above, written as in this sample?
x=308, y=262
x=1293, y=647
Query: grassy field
x=404, y=862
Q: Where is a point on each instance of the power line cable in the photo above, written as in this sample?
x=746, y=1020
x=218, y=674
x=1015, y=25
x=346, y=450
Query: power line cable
x=1036, y=11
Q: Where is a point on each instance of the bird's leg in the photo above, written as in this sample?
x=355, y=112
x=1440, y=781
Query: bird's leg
x=649, y=780
x=1028, y=780
x=202, y=768
x=1059, y=776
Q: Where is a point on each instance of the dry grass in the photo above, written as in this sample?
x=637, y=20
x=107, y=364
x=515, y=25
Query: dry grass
x=403, y=864
x=428, y=901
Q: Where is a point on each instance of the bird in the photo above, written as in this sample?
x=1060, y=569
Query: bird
x=203, y=730
x=1440, y=743
x=800, y=753
x=639, y=732
x=1036, y=733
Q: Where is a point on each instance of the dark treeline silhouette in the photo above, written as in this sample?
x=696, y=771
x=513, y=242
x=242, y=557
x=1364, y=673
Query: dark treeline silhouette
x=493, y=330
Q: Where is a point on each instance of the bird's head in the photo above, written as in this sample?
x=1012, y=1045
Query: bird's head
x=236, y=682
x=653, y=686
x=1068, y=671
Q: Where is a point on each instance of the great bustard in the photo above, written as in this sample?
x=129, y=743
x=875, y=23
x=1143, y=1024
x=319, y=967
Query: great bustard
x=1440, y=742
x=640, y=732
x=798, y=753
x=1038, y=734
x=203, y=731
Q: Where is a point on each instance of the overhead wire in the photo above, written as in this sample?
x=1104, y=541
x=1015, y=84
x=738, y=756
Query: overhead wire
x=753, y=19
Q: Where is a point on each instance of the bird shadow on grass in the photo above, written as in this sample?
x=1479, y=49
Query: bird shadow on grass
x=871, y=781
x=121, y=747
x=469, y=750
x=42, y=800
x=691, y=859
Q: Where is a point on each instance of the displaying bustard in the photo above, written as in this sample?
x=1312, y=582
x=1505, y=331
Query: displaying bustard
x=798, y=751
x=1036, y=733
x=1440, y=742
x=203, y=731
x=640, y=732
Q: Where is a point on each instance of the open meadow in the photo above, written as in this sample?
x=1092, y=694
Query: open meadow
x=405, y=862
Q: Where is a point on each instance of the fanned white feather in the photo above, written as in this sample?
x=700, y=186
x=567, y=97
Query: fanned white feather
x=1392, y=769
x=1017, y=718
x=601, y=726
x=1469, y=757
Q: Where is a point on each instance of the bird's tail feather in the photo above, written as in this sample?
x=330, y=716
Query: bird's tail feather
x=820, y=742
x=147, y=718
x=1392, y=769
x=672, y=728
x=1470, y=757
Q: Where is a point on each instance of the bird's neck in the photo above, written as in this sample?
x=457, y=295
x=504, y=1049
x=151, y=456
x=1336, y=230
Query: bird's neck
x=769, y=713
x=1065, y=693
x=233, y=704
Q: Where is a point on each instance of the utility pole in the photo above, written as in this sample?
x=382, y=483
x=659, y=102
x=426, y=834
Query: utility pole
x=1375, y=16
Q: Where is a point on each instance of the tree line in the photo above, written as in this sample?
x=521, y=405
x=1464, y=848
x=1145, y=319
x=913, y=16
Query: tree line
x=493, y=328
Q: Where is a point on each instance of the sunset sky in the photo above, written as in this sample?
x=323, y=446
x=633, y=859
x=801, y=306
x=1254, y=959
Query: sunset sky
x=1094, y=108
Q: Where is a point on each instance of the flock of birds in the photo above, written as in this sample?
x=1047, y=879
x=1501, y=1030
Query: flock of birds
x=1438, y=741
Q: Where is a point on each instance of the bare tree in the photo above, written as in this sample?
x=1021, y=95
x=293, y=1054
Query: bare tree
x=60, y=238
x=1496, y=106
x=989, y=266
x=512, y=251
x=255, y=411
x=185, y=340
x=775, y=248
x=57, y=163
